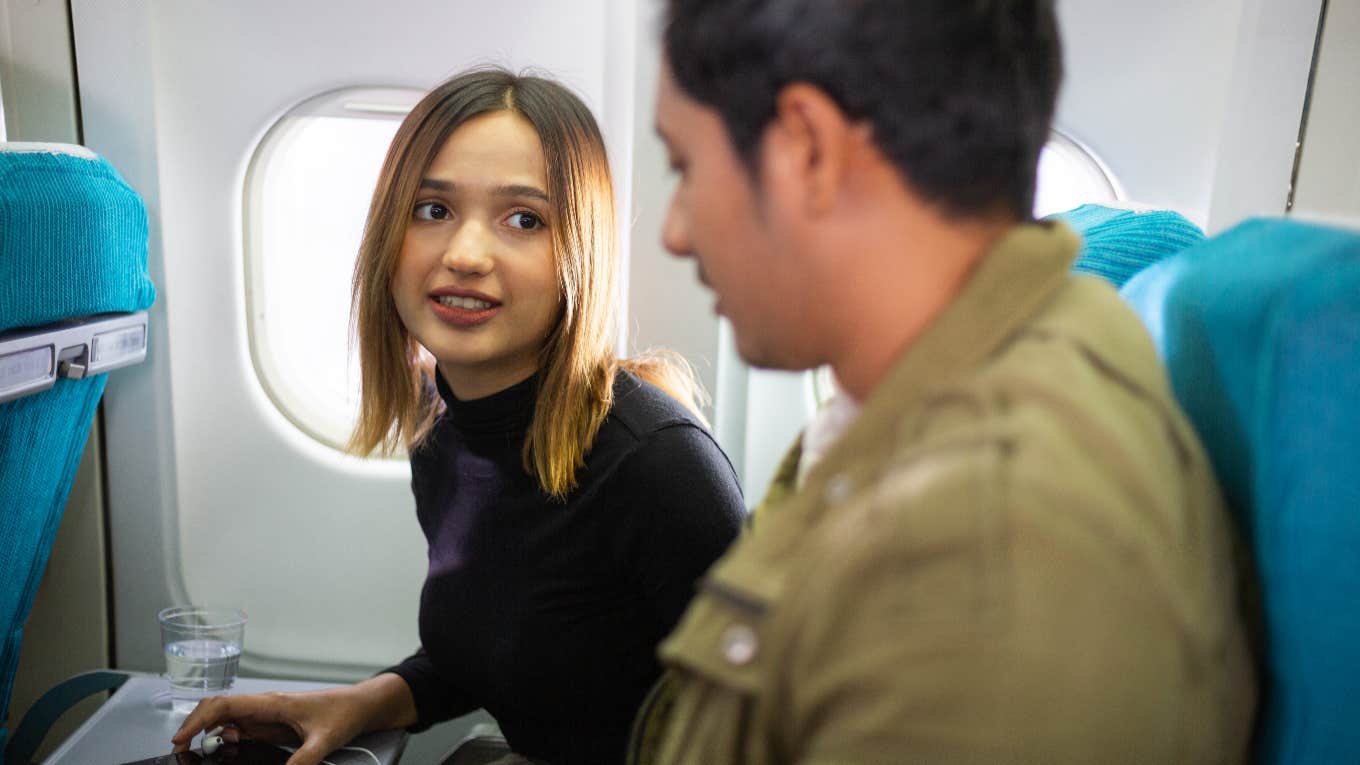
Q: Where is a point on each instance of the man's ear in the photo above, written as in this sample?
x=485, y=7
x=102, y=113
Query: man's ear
x=809, y=144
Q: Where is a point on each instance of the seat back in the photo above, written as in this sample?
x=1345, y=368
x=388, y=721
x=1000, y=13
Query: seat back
x=1118, y=243
x=1260, y=331
x=73, y=244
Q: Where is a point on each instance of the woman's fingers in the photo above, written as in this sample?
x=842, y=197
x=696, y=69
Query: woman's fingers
x=265, y=711
x=204, y=716
x=320, y=720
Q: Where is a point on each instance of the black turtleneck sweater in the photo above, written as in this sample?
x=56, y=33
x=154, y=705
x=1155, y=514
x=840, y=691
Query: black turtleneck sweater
x=548, y=614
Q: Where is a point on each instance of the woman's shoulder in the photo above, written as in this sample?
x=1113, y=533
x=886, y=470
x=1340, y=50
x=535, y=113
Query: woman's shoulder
x=643, y=409
x=654, y=444
x=647, y=428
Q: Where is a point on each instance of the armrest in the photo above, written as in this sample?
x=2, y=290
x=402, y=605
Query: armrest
x=45, y=711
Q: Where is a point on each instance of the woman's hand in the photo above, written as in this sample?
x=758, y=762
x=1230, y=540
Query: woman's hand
x=316, y=722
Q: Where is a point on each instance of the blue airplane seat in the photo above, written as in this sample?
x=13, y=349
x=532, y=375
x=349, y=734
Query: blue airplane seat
x=73, y=250
x=1118, y=243
x=1260, y=331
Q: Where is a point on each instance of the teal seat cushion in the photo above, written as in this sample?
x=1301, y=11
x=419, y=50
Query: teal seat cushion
x=72, y=238
x=1118, y=243
x=1260, y=331
x=41, y=439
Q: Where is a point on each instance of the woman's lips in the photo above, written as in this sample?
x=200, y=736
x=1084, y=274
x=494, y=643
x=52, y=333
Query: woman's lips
x=459, y=316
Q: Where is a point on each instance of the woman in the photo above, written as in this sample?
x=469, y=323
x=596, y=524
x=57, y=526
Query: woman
x=568, y=502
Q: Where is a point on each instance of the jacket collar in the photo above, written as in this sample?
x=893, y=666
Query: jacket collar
x=1007, y=290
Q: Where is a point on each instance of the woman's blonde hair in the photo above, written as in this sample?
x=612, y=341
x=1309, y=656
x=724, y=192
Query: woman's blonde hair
x=577, y=363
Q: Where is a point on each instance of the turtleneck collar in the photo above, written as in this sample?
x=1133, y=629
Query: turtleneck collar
x=505, y=411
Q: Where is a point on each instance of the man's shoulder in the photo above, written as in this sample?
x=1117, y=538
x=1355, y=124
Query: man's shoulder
x=1080, y=387
x=1089, y=325
x=1083, y=401
x=1071, y=422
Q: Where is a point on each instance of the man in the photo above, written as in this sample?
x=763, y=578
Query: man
x=1015, y=551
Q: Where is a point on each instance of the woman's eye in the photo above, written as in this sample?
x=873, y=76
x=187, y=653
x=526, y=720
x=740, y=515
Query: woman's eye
x=431, y=211
x=526, y=221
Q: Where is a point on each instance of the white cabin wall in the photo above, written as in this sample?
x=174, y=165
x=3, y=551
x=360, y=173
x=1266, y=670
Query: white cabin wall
x=1328, y=185
x=1145, y=86
x=667, y=306
x=139, y=461
x=1194, y=106
x=39, y=92
x=1259, y=133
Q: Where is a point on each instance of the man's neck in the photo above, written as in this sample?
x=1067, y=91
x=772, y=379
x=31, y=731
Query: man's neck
x=899, y=290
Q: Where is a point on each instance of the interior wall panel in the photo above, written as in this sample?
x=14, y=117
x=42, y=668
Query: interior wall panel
x=1328, y=184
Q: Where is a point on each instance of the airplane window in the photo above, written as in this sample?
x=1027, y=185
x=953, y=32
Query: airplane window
x=307, y=191
x=1071, y=175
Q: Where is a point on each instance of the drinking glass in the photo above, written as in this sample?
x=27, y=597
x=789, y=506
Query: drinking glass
x=202, y=651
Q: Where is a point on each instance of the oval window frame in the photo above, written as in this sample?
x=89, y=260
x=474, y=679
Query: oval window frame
x=1092, y=165
x=388, y=103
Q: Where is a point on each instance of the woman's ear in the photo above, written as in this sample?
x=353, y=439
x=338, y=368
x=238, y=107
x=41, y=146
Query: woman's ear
x=809, y=146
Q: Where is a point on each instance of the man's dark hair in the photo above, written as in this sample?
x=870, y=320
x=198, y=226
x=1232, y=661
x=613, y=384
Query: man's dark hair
x=960, y=93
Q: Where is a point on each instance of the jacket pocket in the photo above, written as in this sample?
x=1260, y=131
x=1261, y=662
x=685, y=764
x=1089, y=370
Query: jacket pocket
x=717, y=669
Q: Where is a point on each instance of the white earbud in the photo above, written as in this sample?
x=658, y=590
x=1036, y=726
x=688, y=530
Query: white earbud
x=212, y=743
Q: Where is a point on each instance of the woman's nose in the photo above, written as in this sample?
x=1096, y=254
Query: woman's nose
x=470, y=250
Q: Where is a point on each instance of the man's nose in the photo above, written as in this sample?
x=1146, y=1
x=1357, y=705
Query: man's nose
x=675, y=231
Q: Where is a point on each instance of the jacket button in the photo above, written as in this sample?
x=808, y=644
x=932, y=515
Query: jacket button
x=838, y=489
x=739, y=644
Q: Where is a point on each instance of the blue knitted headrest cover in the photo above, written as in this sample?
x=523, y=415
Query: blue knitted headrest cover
x=73, y=239
x=1119, y=243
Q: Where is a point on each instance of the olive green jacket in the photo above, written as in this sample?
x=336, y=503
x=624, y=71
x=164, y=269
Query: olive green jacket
x=1016, y=553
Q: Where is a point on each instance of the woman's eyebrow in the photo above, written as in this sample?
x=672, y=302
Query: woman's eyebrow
x=532, y=192
x=511, y=190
